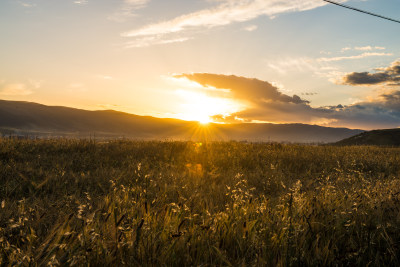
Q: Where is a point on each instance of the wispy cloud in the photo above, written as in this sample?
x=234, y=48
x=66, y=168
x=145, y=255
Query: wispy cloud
x=362, y=48
x=15, y=89
x=326, y=67
x=323, y=66
x=363, y=55
x=26, y=4
x=250, y=28
x=368, y=48
x=127, y=9
x=285, y=65
x=225, y=13
x=81, y=2
x=154, y=40
x=347, y=48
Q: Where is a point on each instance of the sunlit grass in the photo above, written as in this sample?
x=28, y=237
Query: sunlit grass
x=73, y=202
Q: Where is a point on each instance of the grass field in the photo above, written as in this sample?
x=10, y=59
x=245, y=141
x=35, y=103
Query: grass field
x=75, y=202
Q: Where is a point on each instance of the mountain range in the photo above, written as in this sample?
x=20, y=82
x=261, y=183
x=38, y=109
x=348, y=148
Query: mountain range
x=27, y=118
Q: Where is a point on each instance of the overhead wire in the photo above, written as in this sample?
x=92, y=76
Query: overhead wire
x=362, y=11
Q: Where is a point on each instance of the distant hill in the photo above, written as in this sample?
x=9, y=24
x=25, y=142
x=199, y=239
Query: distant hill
x=26, y=118
x=387, y=137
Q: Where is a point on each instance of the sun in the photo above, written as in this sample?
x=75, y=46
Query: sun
x=205, y=121
x=197, y=106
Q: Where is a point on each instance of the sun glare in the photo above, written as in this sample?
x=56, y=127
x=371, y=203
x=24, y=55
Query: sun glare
x=205, y=121
x=201, y=107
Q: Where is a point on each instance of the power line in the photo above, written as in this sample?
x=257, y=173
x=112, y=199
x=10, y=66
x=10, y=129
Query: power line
x=362, y=11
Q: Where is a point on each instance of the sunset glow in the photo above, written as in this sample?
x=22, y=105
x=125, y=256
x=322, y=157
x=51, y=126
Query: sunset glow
x=201, y=107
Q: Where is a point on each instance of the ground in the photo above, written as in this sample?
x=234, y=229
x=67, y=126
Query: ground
x=78, y=202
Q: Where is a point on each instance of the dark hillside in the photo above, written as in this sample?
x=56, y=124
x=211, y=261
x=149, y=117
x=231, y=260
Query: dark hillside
x=387, y=137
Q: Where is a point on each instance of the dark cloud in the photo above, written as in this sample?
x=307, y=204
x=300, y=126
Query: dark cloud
x=266, y=103
x=392, y=100
x=384, y=112
x=365, y=78
x=337, y=107
x=309, y=93
x=389, y=76
x=392, y=97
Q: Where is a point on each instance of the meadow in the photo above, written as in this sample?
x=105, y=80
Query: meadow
x=82, y=202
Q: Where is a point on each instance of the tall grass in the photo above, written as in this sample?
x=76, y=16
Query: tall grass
x=75, y=202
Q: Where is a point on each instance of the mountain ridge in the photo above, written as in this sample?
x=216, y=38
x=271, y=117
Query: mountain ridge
x=382, y=137
x=22, y=117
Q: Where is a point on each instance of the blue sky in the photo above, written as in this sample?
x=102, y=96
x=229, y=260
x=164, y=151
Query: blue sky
x=139, y=56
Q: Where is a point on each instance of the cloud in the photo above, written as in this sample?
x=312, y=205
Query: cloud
x=284, y=65
x=365, y=78
x=368, y=48
x=363, y=48
x=242, y=88
x=250, y=28
x=363, y=55
x=127, y=10
x=325, y=52
x=323, y=66
x=386, y=76
x=35, y=84
x=26, y=4
x=15, y=89
x=81, y=2
x=344, y=49
x=154, y=40
x=225, y=13
x=380, y=112
x=306, y=65
x=264, y=102
x=309, y=93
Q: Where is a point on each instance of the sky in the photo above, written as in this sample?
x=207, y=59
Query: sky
x=224, y=61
